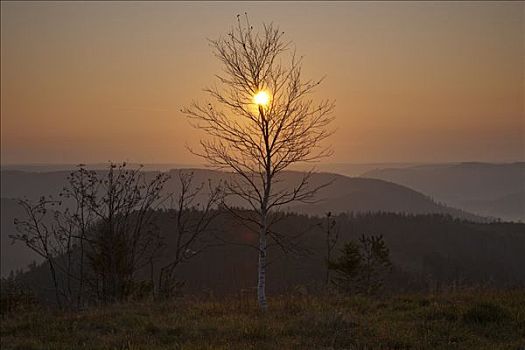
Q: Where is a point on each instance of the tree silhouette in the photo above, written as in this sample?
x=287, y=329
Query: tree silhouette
x=191, y=222
x=103, y=239
x=259, y=122
x=362, y=266
x=331, y=237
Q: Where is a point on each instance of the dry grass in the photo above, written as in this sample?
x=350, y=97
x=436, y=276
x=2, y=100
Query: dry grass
x=466, y=320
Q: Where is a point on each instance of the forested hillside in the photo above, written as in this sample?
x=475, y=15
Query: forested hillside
x=428, y=252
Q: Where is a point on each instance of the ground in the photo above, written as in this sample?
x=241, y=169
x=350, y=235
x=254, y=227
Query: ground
x=461, y=320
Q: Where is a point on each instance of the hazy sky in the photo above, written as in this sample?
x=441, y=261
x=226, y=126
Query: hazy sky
x=98, y=81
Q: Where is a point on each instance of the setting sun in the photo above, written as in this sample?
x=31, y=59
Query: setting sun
x=218, y=159
x=261, y=98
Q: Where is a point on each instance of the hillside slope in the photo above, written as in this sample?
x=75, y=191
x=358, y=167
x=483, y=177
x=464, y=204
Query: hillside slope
x=487, y=189
x=344, y=194
x=427, y=251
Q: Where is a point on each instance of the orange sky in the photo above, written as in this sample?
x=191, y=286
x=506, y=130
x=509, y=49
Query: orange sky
x=431, y=82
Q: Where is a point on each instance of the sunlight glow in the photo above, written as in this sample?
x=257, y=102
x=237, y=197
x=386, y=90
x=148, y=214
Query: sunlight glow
x=262, y=98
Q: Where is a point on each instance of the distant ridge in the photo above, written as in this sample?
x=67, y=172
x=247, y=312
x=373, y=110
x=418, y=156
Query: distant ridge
x=345, y=194
x=493, y=189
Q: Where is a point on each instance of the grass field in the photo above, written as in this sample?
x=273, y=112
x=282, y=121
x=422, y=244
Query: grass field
x=463, y=320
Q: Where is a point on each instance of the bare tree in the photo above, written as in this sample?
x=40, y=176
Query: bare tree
x=38, y=232
x=80, y=191
x=55, y=233
x=125, y=236
x=102, y=237
x=192, y=216
x=260, y=121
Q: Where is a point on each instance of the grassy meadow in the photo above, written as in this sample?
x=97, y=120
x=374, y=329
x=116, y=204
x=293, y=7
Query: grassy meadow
x=461, y=320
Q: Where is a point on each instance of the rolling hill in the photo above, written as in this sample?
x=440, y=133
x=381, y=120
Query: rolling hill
x=345, y=194
x=496, y=190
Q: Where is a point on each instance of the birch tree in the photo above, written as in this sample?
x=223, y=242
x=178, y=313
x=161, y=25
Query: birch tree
x=259, y=121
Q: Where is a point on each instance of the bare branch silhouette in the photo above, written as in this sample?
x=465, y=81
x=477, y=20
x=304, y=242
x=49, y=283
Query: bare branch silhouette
x=259, y=140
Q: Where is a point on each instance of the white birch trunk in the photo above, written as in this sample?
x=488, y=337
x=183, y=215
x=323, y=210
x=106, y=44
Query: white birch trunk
x=261, y=280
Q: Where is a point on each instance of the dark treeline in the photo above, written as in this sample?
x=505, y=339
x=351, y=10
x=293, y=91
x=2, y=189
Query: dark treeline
x=428, y=252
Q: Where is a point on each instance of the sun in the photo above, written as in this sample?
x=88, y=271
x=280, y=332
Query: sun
x=262, y=98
